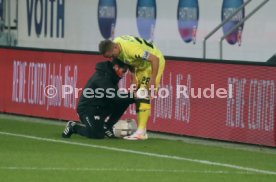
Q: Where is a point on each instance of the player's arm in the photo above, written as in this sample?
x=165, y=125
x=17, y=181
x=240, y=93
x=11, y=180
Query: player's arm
x=154, y=68
x=132, y=75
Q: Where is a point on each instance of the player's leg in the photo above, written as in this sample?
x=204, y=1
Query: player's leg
x=92, y=124
x=143, y=107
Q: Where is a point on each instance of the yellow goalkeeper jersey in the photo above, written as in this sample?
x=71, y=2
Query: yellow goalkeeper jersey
x=135, y=51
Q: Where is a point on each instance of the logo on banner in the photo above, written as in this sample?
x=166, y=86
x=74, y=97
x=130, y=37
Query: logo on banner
x=146, y=18
x=107, y=14
x=187, y=17
x=44, y=19
x=228, y=7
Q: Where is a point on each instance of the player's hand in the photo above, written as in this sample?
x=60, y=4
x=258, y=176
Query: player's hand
x=151, y=83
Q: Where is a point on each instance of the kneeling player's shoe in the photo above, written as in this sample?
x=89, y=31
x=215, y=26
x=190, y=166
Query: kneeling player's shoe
x=137, y=136
x=68, y=131
x=108, y=132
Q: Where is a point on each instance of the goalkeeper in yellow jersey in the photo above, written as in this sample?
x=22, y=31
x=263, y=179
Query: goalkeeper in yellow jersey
x=146, y=63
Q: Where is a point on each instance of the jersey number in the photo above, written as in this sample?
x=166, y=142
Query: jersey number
x=145, y=80
x=146, y=42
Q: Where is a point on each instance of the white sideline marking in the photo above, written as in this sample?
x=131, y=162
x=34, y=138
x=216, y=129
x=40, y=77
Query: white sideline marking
x=145, y=153
x=122, y=170
x=197, y=141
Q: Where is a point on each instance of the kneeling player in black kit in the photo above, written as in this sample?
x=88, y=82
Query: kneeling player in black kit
x=94, y=108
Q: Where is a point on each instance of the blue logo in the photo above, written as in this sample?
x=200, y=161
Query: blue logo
x=187, y=17
x=146, y=18
x=228, y=7
x=107, y=14
x=43, y=14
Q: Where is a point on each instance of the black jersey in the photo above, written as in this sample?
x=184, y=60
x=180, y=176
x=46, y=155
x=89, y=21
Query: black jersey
x=100, y=87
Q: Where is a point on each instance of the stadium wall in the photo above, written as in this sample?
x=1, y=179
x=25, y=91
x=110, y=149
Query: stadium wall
x=177, y=27
x=248, y=116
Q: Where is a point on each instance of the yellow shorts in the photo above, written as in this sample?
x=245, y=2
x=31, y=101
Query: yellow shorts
x=143, y=76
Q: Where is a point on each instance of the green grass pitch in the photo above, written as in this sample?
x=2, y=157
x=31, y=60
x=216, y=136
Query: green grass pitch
x=31, y=150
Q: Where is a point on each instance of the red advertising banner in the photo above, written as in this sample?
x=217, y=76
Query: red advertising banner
x=230, y=102
x=27, y=74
